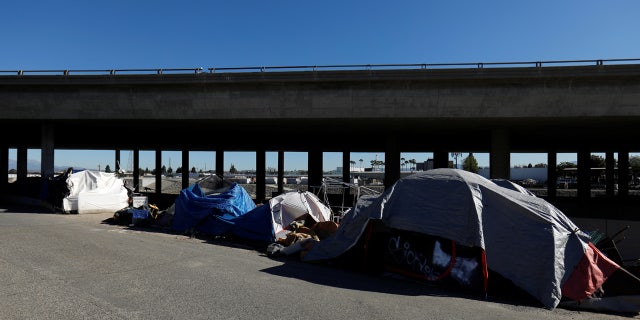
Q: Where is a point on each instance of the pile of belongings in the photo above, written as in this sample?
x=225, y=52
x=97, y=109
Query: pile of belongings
x=143, y=216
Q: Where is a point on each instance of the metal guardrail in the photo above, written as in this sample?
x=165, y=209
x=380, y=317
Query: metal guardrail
x=478, y=65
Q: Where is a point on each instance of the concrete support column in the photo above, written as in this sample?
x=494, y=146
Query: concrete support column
x=346, y=169
x=4, y=168
x=117, y=160
x=158, y=171
x=440, y=158
x=391, y=162
x=21, y=165
x=584, y=174
x=136, y=170
x=47, y=145
x=609, y=173
x=261, y=169
x=46, y=158
x=280, y=172
x=220, y=163
x=315, y=168
x=623, y=173
x=499, y=158
x=552, y=175
x=185, y=167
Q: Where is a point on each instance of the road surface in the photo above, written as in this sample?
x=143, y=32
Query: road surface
x=66, y=266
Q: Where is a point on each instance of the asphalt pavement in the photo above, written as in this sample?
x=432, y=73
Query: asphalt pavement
x=79, y=266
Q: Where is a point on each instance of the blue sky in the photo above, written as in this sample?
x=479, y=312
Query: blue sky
x=45, y=35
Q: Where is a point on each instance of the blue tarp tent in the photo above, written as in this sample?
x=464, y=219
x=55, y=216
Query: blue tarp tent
x=195, y=209
x=233, y=212
x=256, y=225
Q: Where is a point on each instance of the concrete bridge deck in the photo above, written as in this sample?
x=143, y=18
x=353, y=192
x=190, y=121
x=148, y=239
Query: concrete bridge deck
x=541, y=107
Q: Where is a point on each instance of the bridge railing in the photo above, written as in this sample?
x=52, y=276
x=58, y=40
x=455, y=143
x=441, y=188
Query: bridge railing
x=478, y=65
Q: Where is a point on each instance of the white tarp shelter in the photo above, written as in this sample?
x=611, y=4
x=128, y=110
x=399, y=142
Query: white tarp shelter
x=95, y=192
x=289, y=206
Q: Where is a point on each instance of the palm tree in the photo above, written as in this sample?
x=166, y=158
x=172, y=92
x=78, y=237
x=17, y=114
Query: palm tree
x=402, y=162
x=455, y=156
x=361, y=164
x=353, y=163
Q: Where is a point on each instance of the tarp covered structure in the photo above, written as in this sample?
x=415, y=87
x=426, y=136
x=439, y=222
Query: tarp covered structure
x=194, y=209
x=523, y=238
x=95, y=192
x=290, y=206
x=233, y=212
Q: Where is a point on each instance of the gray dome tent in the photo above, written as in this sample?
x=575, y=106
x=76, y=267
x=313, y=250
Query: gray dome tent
x=523, y=237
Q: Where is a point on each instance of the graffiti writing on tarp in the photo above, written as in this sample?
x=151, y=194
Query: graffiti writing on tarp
x=404, y=256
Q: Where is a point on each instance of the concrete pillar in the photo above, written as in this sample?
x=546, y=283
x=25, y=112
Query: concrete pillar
x=185, y=167
x=21, y=165
x=346, y=169
x=261, y=169
x=391, y=162
x=158, y=171
x=315, y=168
x=47, y=150
x=499, y=158
x=552, y=175
x=136, y=170
x=220, y=163
x=117, y=160
x=609, y=173
x=280, y=172
x=623, y=173
x=584, y=174
x=4, y=168
x=440, y=158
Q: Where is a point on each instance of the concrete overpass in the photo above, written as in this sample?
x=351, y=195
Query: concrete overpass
x=549, y=107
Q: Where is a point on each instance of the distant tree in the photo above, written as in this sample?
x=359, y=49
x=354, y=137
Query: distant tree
x=470, y=163
x=107, y=169
x=402, y=162
x=233, y=169
x=193, y=169
x=413, y=164
x=540, y=165
x=179, y=170
x=353, y=163
x=146, y=170
x=530, y=165
x=163, y=170
x=564, y=165
x=361, y=163
x=596, y=161
x=634, y=163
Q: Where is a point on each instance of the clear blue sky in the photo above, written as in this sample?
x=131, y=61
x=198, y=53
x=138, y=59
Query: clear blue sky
x=138, y=34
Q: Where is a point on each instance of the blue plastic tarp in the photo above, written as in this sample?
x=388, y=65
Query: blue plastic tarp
x=254, y=225
x=194, y=209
